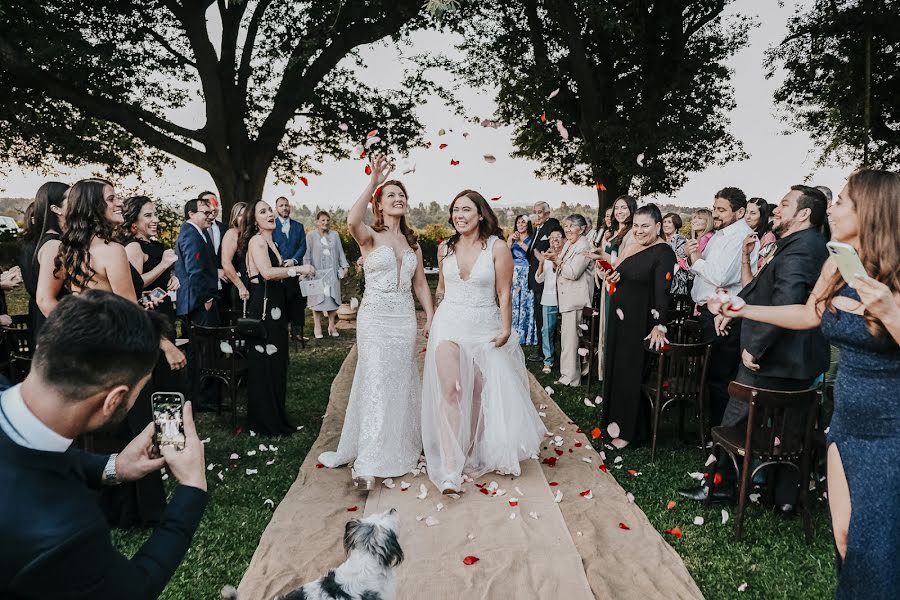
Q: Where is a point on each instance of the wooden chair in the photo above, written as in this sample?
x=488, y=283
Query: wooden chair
x=18, y=346
x=680, y=377
x=780, y=430
x=589, y=341
x=216, y=356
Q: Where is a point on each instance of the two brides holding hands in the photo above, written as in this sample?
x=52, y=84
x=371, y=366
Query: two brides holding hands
x=472, y=411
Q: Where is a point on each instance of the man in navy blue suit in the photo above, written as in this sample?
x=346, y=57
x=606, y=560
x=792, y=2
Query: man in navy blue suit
x=290, y=238
x=198, y=274
x=93, y=356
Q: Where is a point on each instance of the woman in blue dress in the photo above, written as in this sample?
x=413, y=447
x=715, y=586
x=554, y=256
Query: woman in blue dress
x=862, y=318
x=522, y=298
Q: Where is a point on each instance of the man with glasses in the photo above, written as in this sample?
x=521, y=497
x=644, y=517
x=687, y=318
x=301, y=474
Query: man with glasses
x=540, y=243
x=197, y=271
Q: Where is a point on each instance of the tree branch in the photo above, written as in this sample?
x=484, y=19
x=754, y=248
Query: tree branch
x=181, y=58
x=704, y=20
x=137, y=121
x=249, y=43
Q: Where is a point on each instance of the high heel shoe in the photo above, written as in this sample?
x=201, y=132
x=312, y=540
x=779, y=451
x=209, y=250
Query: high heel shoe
x=365, y=482
x=334, y=333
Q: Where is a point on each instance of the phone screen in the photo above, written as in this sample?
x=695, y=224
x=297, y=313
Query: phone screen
x=168, y=419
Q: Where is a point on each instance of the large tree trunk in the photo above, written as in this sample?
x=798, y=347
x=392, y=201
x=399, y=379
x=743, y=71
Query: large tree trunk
x=239, y=185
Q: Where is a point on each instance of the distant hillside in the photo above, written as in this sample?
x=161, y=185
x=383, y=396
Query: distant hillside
x=14, y=207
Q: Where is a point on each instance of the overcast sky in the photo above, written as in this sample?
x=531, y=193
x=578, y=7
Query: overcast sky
x=776, y=161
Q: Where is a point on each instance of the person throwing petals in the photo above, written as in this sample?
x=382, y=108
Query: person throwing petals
x=382, y=431
x=477, y=414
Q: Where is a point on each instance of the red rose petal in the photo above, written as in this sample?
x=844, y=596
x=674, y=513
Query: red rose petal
x=579, y=430
x=442, y=146
x=484, y=491
x=495, y=198
x=353, y=509
x=717, y=479
x=669, y=276
x=604, y=468
x=584, y=493
x=671, y=504
x=676, y=531
x=632, y=472
x=453, y=162
x=320, y=466
x=470, y=560
x=558, y=451
x=553, y=483
x=623, y=526
x=595, y=432
x=543, y=117
x=368, y=169
x=362, y=154
x=513, y=502
x=372, y=133
x=612, y=288
x=601, y=187
x=578, y=444
x=304, y=180
x=549, y=461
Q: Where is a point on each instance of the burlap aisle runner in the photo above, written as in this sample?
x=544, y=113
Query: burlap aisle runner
x=574, y=549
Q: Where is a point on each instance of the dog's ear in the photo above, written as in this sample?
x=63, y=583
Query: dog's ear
x=356, y=534
x=388, y=549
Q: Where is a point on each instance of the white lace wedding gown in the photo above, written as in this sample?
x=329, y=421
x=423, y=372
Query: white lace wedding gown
x=381, y=433
x=477, y=414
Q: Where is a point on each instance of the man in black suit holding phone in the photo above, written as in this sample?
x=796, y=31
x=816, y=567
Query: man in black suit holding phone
x=93, y=356
x=540, y=242
x=771, y=357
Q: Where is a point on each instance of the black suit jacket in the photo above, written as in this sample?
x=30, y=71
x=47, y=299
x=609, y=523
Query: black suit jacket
x=788, y=278
x=56, y=542
x=539, y=243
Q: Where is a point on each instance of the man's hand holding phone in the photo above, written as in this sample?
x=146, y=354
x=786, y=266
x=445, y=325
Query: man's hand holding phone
x=188, y=466
x=137, y=460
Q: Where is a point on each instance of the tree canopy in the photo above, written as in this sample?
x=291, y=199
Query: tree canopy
x=112, y=82
x=643, y=88
x=842, y=83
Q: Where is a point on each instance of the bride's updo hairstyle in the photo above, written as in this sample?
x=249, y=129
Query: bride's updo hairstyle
x=487, y=226
x=411, y=237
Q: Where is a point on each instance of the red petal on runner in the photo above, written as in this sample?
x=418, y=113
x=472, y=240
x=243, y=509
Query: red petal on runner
x=595, y=432
x=584, y=493
x=353, y=509
x=676, y=531
x=372, y=133
x=623, y=526
x=543, y=117
x=320, y=466
x=579, y=430
x=601, y=187
x=671, y=504
x=513, y=502
x=304, y=180
x=470, y=560
x=570, y=450
x=442, y=146
x=553, y=483
x=453, y=162
x=578, y=444
x=717, y=479
x=668, y=276
x=549, y=461
x=368, y=170
x=604, y=468
x=495, y=198
x=484, y=491
x=558, y=451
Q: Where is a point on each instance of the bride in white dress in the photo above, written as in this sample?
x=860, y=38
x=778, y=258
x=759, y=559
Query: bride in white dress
x=477, y=414
x=381, y=435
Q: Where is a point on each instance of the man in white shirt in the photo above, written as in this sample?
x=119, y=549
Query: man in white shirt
x=719, y=267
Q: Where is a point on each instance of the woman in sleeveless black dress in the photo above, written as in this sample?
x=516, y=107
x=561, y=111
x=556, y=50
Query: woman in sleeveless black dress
x=43, y=227
x=267, y=359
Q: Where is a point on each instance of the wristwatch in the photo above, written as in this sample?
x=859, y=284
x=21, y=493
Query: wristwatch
x=109, y=471
x=293, y=271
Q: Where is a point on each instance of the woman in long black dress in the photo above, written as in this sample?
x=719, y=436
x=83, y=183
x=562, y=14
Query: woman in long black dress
x=42, y=234
x=267, y=359
x=90, y=258
x=643, y=280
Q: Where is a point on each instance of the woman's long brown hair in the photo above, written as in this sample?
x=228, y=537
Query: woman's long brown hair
x=411, y=237
x=85, y=218
x=876, y=198
x=488, y=225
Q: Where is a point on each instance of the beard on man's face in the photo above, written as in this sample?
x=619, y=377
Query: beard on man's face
x=783, y=225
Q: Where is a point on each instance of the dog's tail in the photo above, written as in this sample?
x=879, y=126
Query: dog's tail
x=229, y=592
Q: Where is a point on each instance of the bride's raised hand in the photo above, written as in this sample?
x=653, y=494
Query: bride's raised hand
x=381, y=169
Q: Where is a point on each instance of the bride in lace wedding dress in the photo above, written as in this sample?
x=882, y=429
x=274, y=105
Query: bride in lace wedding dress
x=381, y=435
x=477, y=414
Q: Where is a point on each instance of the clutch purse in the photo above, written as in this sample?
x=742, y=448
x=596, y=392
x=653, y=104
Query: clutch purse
x=312, y=287
x=251, y=328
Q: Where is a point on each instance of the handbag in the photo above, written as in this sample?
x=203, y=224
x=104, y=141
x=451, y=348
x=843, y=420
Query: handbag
x=251, y=328
x=312, y=287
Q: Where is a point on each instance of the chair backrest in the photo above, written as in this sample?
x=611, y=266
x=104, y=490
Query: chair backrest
x=214, y=347
x=685, y=330
x=17, y=340
x=779, y=424
x=681, y=371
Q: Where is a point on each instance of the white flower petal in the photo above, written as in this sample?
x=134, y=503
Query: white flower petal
x=558, y=497
x=275, y=312
x=613, y=430
x=271, y=349
x=226, y=348
x=431, y=521
x=725, y=516
x=251, y=471
x=699, y=521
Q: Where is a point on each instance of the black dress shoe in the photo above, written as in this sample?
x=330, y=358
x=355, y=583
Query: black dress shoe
x=785, y=511
x=721, y=493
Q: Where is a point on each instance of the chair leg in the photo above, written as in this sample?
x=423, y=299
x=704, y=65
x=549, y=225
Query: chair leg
x=232, y=392
x=701, y=426
x=743, y=494
x=804, y=496
x=717, y=451
x=657, y=410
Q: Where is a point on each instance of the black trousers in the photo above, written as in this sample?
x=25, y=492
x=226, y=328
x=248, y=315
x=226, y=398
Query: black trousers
x=208, y=395
x=724, y=359
x=785, y=479
x=536, y=292
x=295, y=302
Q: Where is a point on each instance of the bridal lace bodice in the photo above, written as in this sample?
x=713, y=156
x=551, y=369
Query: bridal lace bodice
x=389, y=283
x=479, y=289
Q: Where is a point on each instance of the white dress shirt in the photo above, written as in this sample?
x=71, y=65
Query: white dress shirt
x=216, y=235
x=25, y=429
x=285, y=225
x=720, y=263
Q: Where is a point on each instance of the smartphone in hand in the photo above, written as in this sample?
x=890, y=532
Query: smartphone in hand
x=153, y=296
x=168, y=420
x=847, y=260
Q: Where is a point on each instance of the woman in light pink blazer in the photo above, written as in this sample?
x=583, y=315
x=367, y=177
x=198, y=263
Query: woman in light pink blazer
x=575, y=288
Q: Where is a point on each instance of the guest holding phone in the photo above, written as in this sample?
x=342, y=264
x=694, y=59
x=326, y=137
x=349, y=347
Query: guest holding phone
x=861, y=317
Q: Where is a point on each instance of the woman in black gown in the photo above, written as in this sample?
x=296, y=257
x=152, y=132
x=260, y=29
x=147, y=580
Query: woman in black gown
x=42, y=235
x=90, y=258
x=267, y=359
x=643, y=279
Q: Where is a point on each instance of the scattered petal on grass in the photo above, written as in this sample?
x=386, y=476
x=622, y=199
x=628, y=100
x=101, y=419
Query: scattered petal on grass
x=711, y=459
x=251, y=452
x=221, y=476
x=613, y=430
x=596, y=433
x=671, y=504
x=251, y=471
x=675, y=531
x=742, y=587
x=234, y=456
x=269, y=502
x=270, y=462
x=549, y=390
x=617, y=459
x=553, y=94
x=696, y=475
x=725, y=516
x=699, y=521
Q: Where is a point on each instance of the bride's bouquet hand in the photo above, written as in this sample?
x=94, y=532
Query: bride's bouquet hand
x=501, y=339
